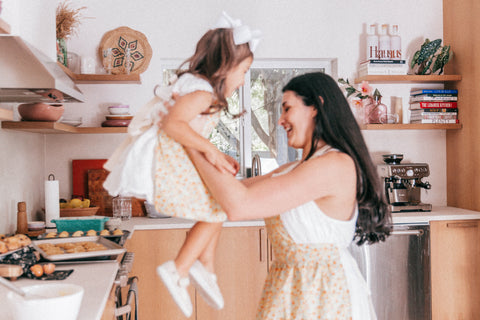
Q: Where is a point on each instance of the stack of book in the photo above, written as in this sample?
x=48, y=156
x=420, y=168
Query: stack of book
x=433, y=106
x=382, y=67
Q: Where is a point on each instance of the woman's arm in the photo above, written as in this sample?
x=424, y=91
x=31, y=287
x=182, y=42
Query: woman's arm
x=328, y=176
x=177, y=125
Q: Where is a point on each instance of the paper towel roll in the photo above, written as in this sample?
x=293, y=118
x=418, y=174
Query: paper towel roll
x=52, y=205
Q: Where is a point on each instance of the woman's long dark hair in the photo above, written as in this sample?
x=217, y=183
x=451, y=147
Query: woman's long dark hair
x=336, y=125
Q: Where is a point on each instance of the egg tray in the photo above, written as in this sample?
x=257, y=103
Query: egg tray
x=119, y=239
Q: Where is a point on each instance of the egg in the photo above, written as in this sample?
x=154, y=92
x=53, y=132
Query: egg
x=48, y=268
x=37, y=270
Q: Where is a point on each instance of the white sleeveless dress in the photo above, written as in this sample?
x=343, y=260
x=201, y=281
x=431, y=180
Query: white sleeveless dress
x=152, y=166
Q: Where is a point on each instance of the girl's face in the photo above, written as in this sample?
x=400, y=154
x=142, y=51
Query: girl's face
x=298, y=120
x=236, y=77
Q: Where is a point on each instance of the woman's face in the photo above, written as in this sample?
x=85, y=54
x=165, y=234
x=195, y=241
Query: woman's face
x=298, y=120
x=236, y=77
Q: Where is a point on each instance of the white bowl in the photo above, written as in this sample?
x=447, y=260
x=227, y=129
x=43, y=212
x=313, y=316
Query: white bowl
x=121, y=109
x=59, y=302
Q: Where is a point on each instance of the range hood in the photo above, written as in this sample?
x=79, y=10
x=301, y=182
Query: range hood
x=28, y=75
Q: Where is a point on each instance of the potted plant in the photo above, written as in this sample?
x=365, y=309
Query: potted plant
x=431, y=57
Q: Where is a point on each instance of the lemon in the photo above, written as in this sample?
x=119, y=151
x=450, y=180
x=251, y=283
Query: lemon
x=76, y=203
x=63, y=205
x=86, y=203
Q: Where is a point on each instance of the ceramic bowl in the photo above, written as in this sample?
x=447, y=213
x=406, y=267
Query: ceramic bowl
x=121, y=109
x=40, y=111
x=59, y=301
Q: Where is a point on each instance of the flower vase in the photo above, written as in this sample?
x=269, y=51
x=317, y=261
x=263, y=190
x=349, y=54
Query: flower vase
x=62, y=51
x=375, y=111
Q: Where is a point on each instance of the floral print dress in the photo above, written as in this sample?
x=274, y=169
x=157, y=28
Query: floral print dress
x=151, y=165
x=313, y=276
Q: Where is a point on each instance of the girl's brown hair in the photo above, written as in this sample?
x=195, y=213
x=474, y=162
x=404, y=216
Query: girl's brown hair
x=215, y=55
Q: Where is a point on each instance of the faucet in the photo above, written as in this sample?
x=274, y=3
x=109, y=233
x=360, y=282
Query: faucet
x=256, y=166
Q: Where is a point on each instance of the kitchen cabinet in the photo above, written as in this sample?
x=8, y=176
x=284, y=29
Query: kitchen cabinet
x=241, y=265
x=455, y=275
x=410, y=79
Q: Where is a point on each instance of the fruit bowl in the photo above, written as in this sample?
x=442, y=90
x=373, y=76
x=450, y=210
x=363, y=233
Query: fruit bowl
x=40, y=111
x=78, y=212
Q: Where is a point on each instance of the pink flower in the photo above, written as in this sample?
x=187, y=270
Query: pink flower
x=365, y=88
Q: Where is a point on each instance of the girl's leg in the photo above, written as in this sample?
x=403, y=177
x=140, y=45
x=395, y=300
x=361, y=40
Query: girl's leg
x=207, y=258
x=198, y=244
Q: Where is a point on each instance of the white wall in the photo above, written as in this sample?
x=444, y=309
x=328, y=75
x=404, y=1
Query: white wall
x=291, y=29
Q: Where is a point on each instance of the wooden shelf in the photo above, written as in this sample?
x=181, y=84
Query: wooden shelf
x=102, y=78
x=6, y=114
x=57, y=127
x=409, y=78
x=412, y=126
x=4, y=27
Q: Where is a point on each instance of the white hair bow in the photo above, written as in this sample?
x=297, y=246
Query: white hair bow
x=241, y=33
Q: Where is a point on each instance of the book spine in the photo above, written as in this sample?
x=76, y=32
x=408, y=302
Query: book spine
x=433, y=98
x=376, y=61
x=433, y=116
x=435, y=110
x=433, y=91
x=428, y=104
x=435, y=121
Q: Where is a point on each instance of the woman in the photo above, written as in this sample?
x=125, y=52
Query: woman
x=313, y=208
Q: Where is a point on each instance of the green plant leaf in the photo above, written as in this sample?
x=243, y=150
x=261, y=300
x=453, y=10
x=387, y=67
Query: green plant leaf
x=414, y=59
x=428, y=49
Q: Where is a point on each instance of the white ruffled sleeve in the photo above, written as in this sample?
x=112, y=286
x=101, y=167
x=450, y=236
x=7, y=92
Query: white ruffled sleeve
x=188, y=83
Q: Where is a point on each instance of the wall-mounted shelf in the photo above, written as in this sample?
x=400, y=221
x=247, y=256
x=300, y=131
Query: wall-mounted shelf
x=412, y=126
x=4, y=27
x=6, y=114
x=57, y=127
x=102, y=78
x=409, y=78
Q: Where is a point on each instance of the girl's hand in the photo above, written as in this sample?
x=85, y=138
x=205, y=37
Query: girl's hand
x=221, y=161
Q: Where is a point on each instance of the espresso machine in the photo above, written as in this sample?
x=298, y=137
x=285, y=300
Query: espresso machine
x=403, y=183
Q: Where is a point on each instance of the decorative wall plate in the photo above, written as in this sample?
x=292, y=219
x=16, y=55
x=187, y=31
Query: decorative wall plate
x=121, y=39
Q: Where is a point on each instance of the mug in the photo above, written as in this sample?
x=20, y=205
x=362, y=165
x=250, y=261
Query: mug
x=122, y=208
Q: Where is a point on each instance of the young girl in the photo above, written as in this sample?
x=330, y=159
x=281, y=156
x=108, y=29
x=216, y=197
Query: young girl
x=313, y=208
x=153, y=164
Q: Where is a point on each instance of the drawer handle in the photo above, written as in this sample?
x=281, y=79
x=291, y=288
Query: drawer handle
x=462, y=225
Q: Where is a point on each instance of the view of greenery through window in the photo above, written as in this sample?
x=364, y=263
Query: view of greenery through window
x=261, y=96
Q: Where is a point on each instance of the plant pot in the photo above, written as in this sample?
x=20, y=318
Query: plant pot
x=40, y=111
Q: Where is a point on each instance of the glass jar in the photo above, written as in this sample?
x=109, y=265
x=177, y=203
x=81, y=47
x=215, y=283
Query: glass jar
x=122, y=208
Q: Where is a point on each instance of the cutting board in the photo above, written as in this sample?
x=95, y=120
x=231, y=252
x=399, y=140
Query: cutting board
x=99, y=197
x=80, y=168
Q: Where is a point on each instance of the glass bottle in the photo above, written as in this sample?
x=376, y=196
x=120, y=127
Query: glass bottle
x=375, y=110
x=372, y=43
x=395, y=44
x=384, y=42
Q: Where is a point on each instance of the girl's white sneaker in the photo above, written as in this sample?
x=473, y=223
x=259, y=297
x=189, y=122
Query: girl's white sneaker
x=176, y=286
x=206, y=283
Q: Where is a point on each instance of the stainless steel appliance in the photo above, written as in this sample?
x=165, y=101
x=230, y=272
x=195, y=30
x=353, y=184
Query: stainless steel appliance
x=126, y=309
x=397, y=272
x=403, y=183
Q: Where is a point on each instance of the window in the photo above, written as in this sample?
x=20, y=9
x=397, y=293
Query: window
x=257, y=132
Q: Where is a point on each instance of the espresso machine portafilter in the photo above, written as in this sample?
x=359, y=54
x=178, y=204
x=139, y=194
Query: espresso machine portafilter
x=403, y=183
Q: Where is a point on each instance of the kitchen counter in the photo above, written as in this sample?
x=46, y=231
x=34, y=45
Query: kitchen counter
x=96, y=279
x=438, y=213
x=97, y=287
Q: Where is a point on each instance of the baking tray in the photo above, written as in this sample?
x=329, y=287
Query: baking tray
x=120, y=239
x=113, y=249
